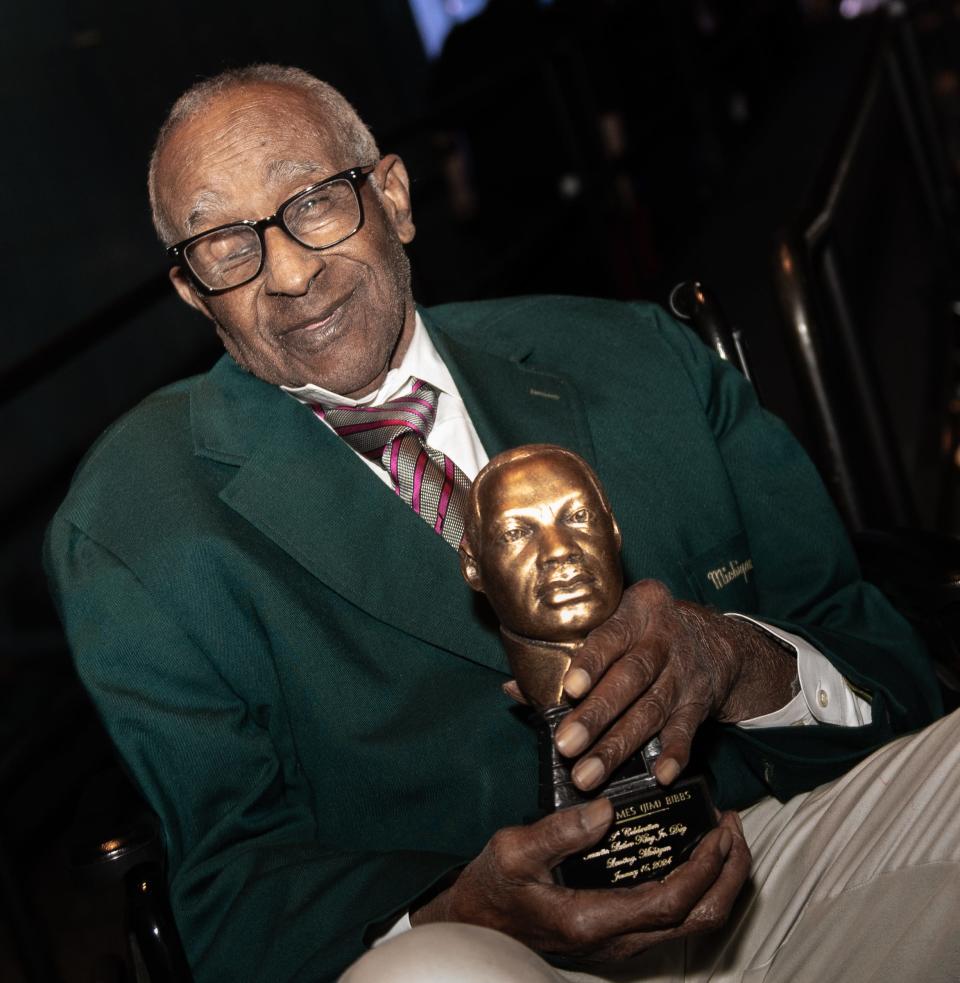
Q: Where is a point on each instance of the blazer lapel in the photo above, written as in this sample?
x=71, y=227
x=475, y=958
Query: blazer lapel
x=511, y=402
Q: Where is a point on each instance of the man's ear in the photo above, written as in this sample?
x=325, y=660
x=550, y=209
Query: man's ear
x=469, y=567
x=394, y=183
x=187, y=291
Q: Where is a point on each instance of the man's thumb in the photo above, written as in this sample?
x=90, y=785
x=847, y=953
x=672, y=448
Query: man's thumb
x=568, y=830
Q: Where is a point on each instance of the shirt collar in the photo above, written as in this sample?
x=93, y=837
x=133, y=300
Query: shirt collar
x=421, y=361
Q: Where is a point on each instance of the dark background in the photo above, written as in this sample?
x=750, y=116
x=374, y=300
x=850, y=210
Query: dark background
x=608, y=148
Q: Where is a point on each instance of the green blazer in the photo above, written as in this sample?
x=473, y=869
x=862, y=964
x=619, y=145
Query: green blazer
x=309, y=695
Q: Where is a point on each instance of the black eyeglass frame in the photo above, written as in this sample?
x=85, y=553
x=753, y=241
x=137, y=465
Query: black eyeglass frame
x=355, y=175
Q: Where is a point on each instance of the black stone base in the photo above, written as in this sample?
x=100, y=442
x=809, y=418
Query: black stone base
x=654, y=830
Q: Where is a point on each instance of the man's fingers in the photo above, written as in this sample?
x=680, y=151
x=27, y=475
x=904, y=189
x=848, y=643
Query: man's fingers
x=618, y=661
x=656, y=906
x=654, y=713
x=601, y=648
x=714, y=907
x=617, y=635
x=617, y=690
x=532, y=851
x=630, y=733
x=676, y=737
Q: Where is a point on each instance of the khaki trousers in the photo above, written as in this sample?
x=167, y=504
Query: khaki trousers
x=858, y=880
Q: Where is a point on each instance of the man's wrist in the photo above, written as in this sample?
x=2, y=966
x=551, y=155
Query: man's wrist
x=822, y=694
x=766, y=677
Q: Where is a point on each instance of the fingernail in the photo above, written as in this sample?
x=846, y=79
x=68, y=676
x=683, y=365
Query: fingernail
x=667, y=770
x=588, y=773
x=572, y=738
x=725, y=841
x=596, y=814
x=576, y=683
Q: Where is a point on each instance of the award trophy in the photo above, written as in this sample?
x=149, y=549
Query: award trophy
x=543, y=545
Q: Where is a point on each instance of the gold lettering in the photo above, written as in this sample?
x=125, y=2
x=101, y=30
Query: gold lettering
x=653, y=851
x=602, y=852
x=651, y=805
x=726, y=574
x=638, y=830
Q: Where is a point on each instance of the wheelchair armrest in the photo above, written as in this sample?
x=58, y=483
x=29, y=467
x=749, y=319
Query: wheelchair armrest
x=116, y=838
x=113, y=831
x=101, y=852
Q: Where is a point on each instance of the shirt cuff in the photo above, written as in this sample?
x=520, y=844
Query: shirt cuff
x=401, y=925
x=825, y=696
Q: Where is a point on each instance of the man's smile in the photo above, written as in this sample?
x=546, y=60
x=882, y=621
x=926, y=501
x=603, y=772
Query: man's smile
x=327, y=321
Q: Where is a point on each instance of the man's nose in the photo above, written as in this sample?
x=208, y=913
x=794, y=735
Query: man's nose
x=289, y=268
x=558, y=545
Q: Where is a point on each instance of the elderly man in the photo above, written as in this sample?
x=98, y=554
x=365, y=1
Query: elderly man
x=258, y=572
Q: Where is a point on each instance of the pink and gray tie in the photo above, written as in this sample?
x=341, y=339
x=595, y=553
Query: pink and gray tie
x=395, y=434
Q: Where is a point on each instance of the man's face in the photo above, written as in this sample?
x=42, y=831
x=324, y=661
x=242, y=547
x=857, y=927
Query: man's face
x=549, y=552
x=334, y=318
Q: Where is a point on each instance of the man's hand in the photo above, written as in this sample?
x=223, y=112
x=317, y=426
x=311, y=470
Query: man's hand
x=661, y=666
x=509, y=887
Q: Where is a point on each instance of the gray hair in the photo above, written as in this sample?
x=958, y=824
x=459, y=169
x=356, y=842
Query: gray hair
x=356, y=140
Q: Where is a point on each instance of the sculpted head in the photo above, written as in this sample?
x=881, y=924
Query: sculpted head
x=542, y=543
x=234, y=150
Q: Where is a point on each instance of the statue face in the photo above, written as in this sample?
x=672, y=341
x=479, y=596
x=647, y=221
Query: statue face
x=548, y=558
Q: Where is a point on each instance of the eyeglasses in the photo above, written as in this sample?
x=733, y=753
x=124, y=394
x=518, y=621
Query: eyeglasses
x=318, y=217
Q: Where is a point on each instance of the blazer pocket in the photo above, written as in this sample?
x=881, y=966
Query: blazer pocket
x=722, y=576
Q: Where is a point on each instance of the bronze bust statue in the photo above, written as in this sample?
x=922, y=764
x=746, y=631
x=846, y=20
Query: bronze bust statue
x=542, y=543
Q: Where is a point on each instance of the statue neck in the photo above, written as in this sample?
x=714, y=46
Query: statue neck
x=539, y=666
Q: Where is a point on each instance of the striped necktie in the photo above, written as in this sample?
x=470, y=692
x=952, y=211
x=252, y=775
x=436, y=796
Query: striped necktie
x=395, y=434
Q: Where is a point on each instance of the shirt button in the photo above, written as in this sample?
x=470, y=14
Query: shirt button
x=822, y=698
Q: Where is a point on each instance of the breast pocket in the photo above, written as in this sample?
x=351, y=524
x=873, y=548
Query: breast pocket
x=722, y=576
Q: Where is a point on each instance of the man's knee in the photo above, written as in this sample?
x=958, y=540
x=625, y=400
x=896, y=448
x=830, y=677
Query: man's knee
x=444, y=952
